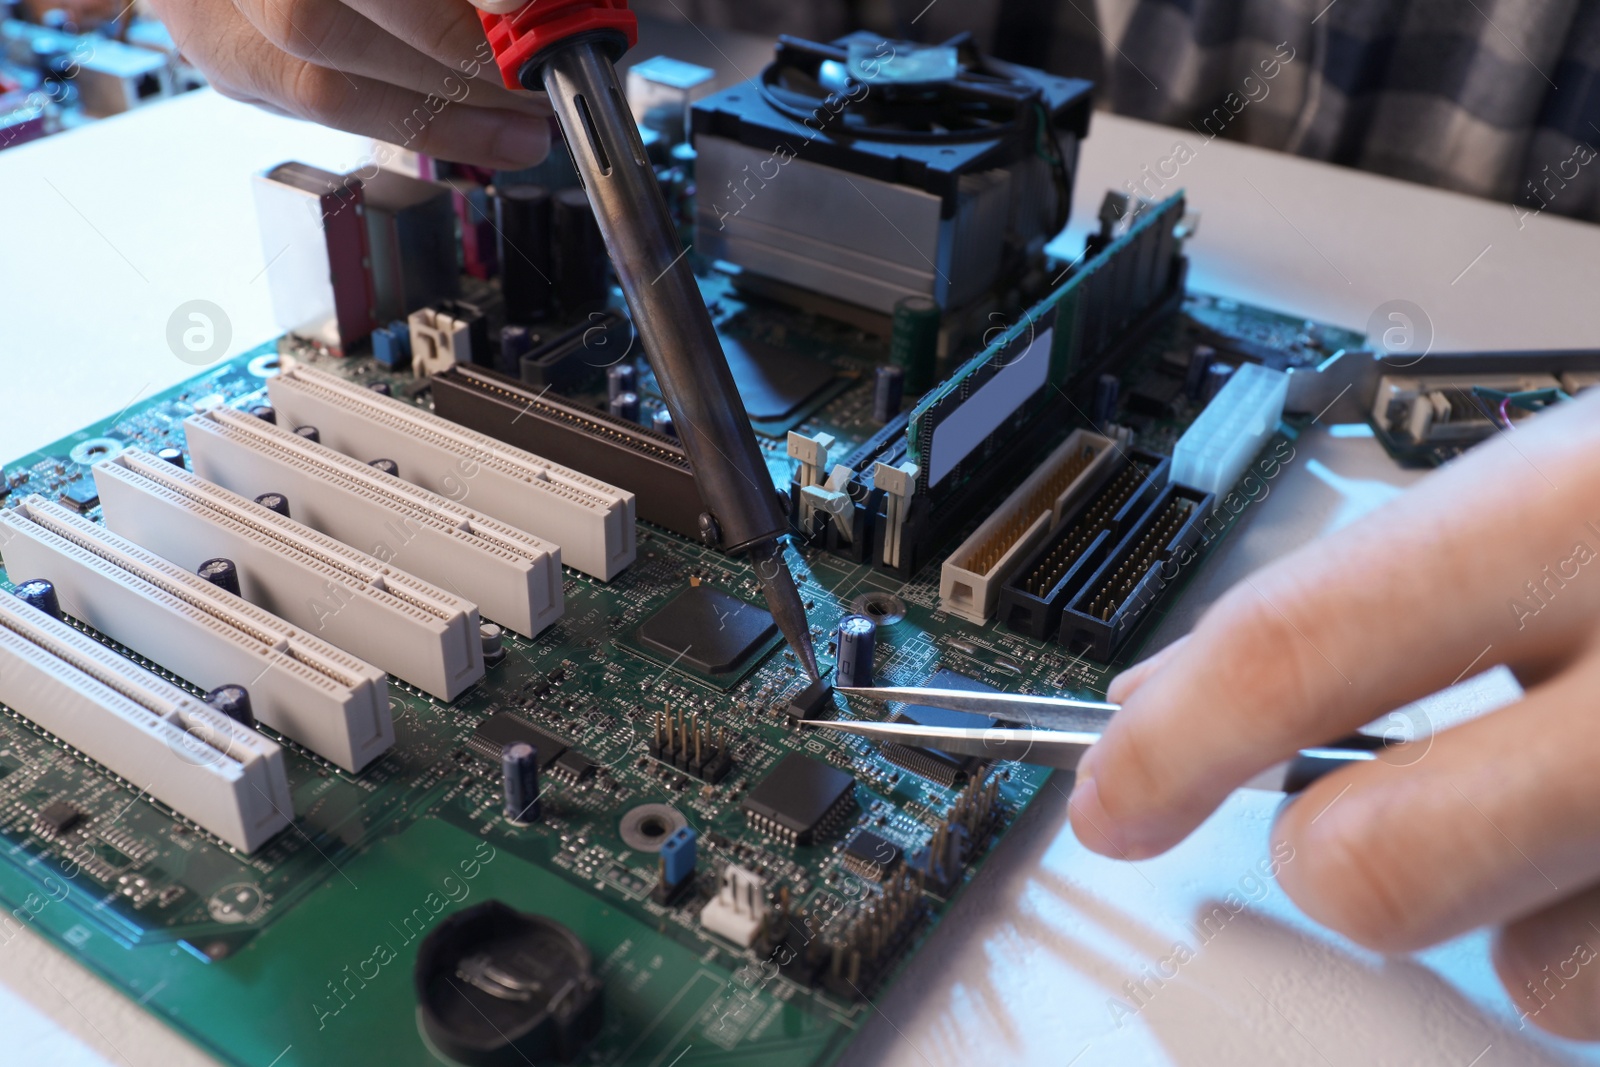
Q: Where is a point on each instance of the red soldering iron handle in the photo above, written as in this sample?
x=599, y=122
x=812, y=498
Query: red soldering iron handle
x=533, y=28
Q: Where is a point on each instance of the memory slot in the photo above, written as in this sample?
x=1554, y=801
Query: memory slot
x=513, y=577
x=972, y=575
x=415, y=631
x=224, y=777
x=309, y=691
x=1137, y=573
x=592, y=522
x=1032, y=599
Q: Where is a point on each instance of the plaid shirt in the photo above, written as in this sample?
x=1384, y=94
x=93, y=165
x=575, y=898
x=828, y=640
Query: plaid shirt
x=1497, y=98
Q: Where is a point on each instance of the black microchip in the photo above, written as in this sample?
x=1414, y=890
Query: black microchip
x=58, y=817
x=502, y=728
x=708, y=631
x=809, y=702
x=801, y=800
x=573, y=767
x=930, y=763
x=80, y=495
x=773, y=383
x=870, y=856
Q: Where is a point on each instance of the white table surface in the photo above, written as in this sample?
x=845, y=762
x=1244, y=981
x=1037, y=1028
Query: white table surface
x=108, y=229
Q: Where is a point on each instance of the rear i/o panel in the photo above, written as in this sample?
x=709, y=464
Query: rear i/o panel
x=502, y=681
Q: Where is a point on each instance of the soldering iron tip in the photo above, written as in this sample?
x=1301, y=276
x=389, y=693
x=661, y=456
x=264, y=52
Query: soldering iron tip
x=783, y=600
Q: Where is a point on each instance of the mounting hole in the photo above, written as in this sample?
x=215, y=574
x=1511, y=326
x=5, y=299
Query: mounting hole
x=645, y=827
x=885, y=609
x=266, y=365
x=96, y=449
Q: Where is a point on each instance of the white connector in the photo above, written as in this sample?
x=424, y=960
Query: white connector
x=739, y=911
x=415, y=631
x=225, y=777
x=437, y=342
x=513, y=577
x=592, y=522
x=971, y=577
x=1216, y=448
x=328, y=700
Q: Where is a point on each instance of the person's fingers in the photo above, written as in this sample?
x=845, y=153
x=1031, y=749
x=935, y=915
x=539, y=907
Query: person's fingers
x=488, y=137
x=1480, y=824
x=447, y=30
x=1376, y=615
x=1123, y=685
x=1547, y=963
x=331, y=34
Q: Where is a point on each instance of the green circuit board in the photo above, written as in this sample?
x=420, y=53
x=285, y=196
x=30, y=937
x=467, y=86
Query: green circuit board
x=302, y=952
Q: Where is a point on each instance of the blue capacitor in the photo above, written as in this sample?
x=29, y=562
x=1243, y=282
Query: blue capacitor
x=274, y=502
x=41, y=594
x=387, y=466
x=626, y=406
x=221, y=573
x=519, y=769
x=1217, y=375
x=622, y=378
x=310, y=433
x=662, y=422
x=888, y=390
x=381, y=388
x=1194, y=376
x=234, y=702
x=1106, y=392
x=678, y=856
x=266, y=413
x=173, y=456
x=857, y=640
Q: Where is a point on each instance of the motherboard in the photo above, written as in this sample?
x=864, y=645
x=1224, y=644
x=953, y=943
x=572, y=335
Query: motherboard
x=384, y=694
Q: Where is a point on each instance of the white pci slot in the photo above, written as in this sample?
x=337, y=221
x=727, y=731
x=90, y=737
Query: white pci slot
x=592, y=522
x=415, y=631
x=513, y=577
x=971, y=577
x=162, y=741
x=327, y=700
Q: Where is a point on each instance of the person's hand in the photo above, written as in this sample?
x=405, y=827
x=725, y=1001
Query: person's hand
x=1493, y=560
x=417, y=73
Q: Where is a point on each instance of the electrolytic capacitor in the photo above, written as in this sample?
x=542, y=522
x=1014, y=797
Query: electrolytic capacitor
x=857, y=640
x=310, y=433
x=1106, y=392
x=381, y=388
x=266, y=413
x=522, y=217
x=221, y=573
x=519, y=771
x=387, y=466
x=888, y=391
x=661, y=422
x=1217, y=375
x=274, y=502
x=622, y=378
x=626, y=406
x=234, y=702
x=40, y=593
x=493, y=640
x=1194, y=377
x=914, y=340
x=578, y=258
x=173, y=456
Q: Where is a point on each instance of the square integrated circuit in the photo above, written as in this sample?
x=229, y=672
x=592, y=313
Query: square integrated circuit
x=709, y=632
x=800, y=800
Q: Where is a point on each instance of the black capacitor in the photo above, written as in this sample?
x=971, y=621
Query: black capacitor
x=515, y=342
x=310, y=433
x=622, y=378
x=626, y=406
x=387, y=466
x=888, y=391
x=266, y=413
x=522, y=217
x=234, y=702
x=519, y=770
x=661, y=422
x=274, y=502
x=578, y=256
x=40, y=593
x=857, y=639
x=173, y=456
x=221, y=573
x=381, y=388
x=1194, y=377
x=1217, y=375
x=1106, y=391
